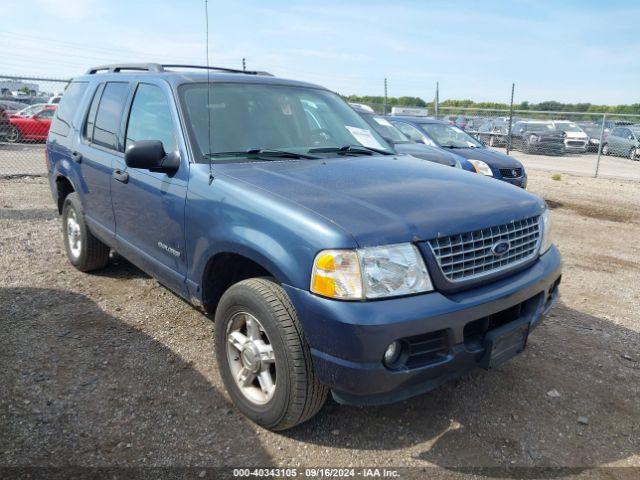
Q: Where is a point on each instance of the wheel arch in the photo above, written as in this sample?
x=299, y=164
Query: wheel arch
x=64, y=187
x=226, y=268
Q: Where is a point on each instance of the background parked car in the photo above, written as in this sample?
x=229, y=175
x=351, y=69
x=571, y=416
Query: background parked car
x=34, y=128
x=624, y=141
x=576, y=139
x=11, y=107
x=593, y=131
x=494, y=131
x=401, y=143
x=30, y=110
x=474, y=156
x=537, y=137
x=5, y=125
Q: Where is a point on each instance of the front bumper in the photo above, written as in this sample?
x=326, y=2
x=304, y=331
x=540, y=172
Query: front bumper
x=518, y=182
x=348, y=339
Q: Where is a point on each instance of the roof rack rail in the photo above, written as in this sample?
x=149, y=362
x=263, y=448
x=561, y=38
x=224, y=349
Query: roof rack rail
x=221, y=69
x=157, y=68
x=118, y=67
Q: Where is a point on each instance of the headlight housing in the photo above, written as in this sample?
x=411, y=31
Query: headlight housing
x=481, y=167
x=373, y=272
x=545, y=227
x=534, y=138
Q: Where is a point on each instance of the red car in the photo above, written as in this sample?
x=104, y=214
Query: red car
x=33, y=128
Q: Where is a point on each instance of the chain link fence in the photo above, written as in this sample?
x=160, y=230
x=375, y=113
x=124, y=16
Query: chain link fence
x=586, y=143
x=27, y=105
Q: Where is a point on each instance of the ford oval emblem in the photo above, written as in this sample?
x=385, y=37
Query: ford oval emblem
x=500, y=248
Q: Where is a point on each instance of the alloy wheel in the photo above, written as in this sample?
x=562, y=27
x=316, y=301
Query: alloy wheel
x=251, y=358
x=74, y=235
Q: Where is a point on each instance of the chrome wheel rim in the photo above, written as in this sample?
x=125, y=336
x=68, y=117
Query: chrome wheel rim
x=605, y=149
x=74, y=239
x=251, y=358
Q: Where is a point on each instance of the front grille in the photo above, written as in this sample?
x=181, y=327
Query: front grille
x=576, y=143
x=470, y=255
x=511, y=172
x=557, y=140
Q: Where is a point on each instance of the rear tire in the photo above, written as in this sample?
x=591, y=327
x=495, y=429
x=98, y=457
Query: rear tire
x=605, y=149
x=634, y=154
x=14, y=135
x=84, y=251
x=255, y=319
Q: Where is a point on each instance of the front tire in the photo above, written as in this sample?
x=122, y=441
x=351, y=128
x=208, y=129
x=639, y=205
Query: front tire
x=84, y=251
x=634, y=154
x=263, y=357
x=605, y=149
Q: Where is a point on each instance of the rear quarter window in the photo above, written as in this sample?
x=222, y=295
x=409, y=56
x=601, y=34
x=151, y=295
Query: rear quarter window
x=67, y=108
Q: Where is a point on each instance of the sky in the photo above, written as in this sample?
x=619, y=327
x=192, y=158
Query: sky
x=569, y=51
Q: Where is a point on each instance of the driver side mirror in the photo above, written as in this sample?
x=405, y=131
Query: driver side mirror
x=150, y=155
x=419, y=140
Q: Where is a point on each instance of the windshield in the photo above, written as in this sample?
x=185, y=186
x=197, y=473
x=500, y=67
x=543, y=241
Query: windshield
x=384, y=128
x=450, y=136
x=246, y=117
x=32, y=110
x=539, y=127
x=568, y=127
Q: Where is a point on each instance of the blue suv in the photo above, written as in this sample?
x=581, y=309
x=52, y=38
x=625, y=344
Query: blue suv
x=328, y=263
x=473, y=155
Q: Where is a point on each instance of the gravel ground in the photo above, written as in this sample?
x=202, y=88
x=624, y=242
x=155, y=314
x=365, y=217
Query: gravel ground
x=111, y=369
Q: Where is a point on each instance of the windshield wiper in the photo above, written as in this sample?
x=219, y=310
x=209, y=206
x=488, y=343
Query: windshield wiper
x=345, y=149
x=262, y=153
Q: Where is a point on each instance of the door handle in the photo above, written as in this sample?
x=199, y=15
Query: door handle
x=121, y=176
x=76, y=156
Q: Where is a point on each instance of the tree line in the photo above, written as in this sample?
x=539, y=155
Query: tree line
x=547, y=106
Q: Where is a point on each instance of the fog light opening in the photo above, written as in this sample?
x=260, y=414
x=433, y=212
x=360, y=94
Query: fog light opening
x=393, y=355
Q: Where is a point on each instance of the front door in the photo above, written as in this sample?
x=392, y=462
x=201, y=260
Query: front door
x=149, y=206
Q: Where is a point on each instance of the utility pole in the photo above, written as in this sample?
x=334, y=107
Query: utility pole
x=513, y=86
x=437, y=99
x=385, y=96
x=244, y=65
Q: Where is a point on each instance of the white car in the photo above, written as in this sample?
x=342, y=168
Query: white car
x=576, y=139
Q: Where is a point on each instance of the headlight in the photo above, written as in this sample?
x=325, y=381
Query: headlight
x=372, y=272
x=545, y=226
x=481, y=167
x=534, y=138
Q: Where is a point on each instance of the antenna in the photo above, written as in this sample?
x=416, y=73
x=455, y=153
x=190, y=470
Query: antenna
x=206, y=19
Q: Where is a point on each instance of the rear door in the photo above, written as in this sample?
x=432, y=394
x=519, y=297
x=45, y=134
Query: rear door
x=100, y=145
x=149, y=206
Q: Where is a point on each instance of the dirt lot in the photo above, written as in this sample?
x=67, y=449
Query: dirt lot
x=112, y=369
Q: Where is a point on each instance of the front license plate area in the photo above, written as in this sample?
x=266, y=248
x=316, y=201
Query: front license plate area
x=504, y=343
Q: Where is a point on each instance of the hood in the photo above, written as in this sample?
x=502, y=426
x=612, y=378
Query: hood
x=578, y=135
x=425, y=152
x=382, y=200
x=489, y=156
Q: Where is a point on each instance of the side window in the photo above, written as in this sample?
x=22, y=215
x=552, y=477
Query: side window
x=47, y=113
x=67, y=107
x=150, y=118
x=409, y=131
x=615, y=132
x=109, y=114
x=91, y=117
